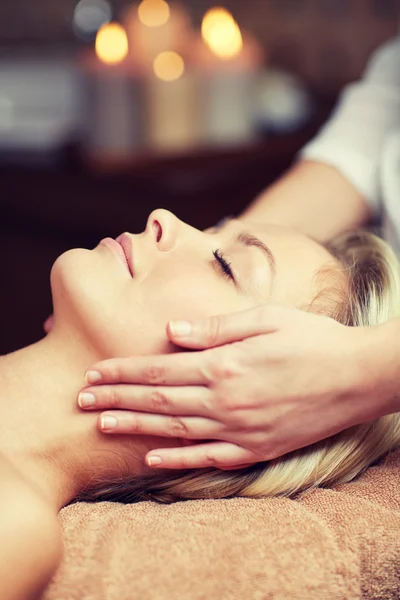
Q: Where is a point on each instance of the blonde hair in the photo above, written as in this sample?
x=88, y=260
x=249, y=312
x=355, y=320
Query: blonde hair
x=371, y=296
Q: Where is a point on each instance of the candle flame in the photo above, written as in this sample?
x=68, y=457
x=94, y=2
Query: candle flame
x=169, y=66
x=111, y=43
x=221, y=33
x=214, y=15
x=154, y=13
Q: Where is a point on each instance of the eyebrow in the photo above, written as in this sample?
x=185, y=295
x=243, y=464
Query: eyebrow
x=249, y=240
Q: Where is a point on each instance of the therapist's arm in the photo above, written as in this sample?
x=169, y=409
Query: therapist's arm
x=336, y=185
x=314, y=198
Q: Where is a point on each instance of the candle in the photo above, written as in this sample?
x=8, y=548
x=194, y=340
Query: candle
x=172, y=114
x=114, y=97
x=227, y=63
x=154, y=27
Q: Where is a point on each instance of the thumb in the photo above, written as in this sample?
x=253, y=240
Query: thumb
x=224, y=329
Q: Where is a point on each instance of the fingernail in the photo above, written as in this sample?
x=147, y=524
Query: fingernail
x=85, y=399
x=92, y=376
x=108, y=422
x=153, y=460
x=180, y=328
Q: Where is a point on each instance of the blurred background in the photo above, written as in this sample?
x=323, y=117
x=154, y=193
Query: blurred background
x=110, y=108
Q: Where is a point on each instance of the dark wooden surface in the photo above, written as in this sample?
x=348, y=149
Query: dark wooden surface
x=45, y=211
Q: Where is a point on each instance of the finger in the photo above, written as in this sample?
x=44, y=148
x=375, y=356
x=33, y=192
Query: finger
x=170, y=369
x=221, y=455
x=185, y=400
x=123, y=422
x=224, y=329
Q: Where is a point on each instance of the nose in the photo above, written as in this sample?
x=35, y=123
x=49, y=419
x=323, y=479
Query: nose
x=163, y=226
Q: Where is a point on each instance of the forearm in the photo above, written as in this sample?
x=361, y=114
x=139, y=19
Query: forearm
x=313, y=198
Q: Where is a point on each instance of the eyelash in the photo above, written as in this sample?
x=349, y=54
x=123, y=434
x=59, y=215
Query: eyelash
x=223, y=264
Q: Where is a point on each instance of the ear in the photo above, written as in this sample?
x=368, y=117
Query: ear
x=48, y=324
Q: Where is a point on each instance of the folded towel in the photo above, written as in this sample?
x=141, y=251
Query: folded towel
x=341, y=543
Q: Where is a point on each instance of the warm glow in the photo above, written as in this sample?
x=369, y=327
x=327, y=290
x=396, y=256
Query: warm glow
x=111, y=43
x=221, y=33
x=212, y=16
x=169, y=66
x=154, y=13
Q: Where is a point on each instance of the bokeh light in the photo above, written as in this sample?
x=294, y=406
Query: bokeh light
x=221, y=33
x=154, y=13
x=89, y=16
x=169, y=66
x=111, y=43
x=212, y=16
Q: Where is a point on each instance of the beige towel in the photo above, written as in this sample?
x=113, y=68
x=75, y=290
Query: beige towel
x=329, y=544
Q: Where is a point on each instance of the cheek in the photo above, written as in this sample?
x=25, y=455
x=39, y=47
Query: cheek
x=189, y=295
x=122, y=318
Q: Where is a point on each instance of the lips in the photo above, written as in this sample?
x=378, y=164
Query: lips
x=118, y=251
x=125, y=243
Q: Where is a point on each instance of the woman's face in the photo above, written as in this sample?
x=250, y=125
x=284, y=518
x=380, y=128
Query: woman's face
x=179, y=272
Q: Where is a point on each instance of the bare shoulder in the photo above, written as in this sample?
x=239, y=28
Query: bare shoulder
x=30, y=534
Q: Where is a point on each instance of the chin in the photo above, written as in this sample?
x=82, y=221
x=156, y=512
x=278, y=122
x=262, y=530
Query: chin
x=79, y=288
x=68, y=273
x=85, y=302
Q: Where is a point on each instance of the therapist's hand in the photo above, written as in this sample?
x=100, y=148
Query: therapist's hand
x=271, y=381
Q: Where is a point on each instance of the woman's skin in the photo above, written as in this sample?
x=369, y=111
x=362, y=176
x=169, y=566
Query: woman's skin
x=318, y=201
x=102, y=311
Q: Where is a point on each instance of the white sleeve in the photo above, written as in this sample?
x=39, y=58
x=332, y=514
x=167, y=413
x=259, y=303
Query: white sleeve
x=367, y=112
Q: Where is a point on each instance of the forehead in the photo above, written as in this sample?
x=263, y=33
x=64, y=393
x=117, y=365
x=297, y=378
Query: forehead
x=283, y=238
x=304, y=267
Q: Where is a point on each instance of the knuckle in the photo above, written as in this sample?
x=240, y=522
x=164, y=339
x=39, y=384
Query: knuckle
x=226, y=368
x=213, y=330
x=159, y=401
x=154, y=374
x=205, y=404
x=232, y=400
x=235, y=419
x=263, y=450
x=115, y=400
x=114, y=372
x=266, y=455
x=135, y=425
x=210, y=460
x=178, y=428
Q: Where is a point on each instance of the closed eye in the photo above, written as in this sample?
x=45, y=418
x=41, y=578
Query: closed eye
x=224, y=265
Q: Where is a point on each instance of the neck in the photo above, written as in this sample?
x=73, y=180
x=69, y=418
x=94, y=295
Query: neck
x=56, y=446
